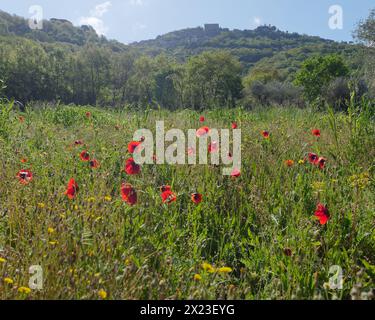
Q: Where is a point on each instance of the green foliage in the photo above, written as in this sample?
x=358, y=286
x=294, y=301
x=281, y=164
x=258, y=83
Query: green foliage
x=54, y=30
x=317, y=72
x=365, y=33
x=213, y=79
x=366, y=29
x=5, y=119
x=261, y=224
x=248, y=46
x=275, y=92
x=187, y=68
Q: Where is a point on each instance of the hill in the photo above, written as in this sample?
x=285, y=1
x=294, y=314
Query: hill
x=55, y=30
x=194, y=67
x=249, y=46
x=264, y=45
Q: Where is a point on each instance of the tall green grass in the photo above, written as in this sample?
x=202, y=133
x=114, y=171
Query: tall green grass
x=153, y=251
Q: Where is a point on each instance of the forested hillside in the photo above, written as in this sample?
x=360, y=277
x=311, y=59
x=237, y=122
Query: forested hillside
x=249, y=46
x=197, y=68
x=54, y=30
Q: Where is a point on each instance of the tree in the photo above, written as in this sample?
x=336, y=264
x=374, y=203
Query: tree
x=214, y=79
x=317, y=72
x=365, y=33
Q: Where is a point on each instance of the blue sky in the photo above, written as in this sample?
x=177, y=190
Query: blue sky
x=134, y=20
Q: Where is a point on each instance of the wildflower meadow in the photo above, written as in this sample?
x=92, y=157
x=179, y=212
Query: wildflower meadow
x=80, y=219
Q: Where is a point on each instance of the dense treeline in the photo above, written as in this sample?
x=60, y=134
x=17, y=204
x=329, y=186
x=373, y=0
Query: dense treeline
x=74, y=65
x=98, y=75
x=249, y=46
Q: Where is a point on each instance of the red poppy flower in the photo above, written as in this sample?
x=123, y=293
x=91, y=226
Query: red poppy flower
x=129, y=194
x=202, y=119
x=289, y=163
x=168, y=197
x=165, y=188
x=134, y=146
x=321, y=162
x=236, y=173
x=313, y=158
x=316, y=132
x=203, y=131
x=322, y=214
x=78, y=142
x=213, y=147
x=88, y=114
x=265, y=134
x=72, y=189
x=23, y=160
x=85, y=156
x=234, y=125
x=196, y=198
x=25, y=176
x=21, y=119
x=131, y=167
x=94, y=164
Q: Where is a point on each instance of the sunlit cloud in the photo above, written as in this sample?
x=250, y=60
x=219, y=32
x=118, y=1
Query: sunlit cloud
x=257, y=21
x=101, y=9
x=95, y=18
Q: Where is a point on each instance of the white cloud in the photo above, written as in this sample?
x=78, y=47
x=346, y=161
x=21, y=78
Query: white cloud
x=95, y=19
x=257, y=21
x=96, y=23
x=101, y=9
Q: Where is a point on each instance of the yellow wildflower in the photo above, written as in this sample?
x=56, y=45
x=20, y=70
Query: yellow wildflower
x=108, y=198
x=8, y=280
x=50, y=230
x=301, y=162
x=2, y=260
x=92, y=199
x=225, y=270
x=360, y=181
x=102, y=294
x=53, y=243
x=318, y=186
x=197, y=277
x=24, y=290
x=41, y=205
x=207, y=267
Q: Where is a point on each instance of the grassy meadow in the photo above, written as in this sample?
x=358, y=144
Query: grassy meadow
x=252, y=237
